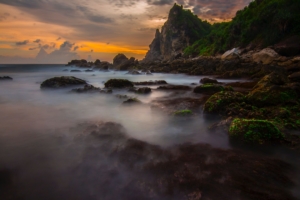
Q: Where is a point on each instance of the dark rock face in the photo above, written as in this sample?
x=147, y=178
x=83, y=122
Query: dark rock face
x=176, y=35
x=79, y=63
x=97, y=62
x=289, y=46
x=119, y=59
x=5, y=78
x=144, y=90
x=174, y=87
x=104, y=66
x=63, y=81
x=208, y=80
x=118, y=83
x=295, y=77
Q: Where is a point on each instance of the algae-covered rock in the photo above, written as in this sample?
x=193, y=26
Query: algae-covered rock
x=273, y=89
x=183, y=113
x=254, y=131
x=218, y=102
x=209, y=89
x=143, y=90
x=118, y=83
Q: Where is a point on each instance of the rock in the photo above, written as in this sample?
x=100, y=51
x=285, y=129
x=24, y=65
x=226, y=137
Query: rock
x=242, y=84
x=89, y=70
x=174, y=87
x=218, y=102
x=2, y=78
x=183, y=113
x=121, y=62
x=132, y=101
x=272, y=89
x=63, y=81
x=75, y=70
x=134, y=72
x=103, y=66
x=118, y=83
x=65, y=70
x=79, y=63
x=97, y=62
x=144, y=90
x=157, y=82
x=295, y=77
x=208, y=89
x=265, y=56
x=231, y=54
x=148, y=72
x=87, y=88
x=254, y=131
x=289, y=46
x=208, y=80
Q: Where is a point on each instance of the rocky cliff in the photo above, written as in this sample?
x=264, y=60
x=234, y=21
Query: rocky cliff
x=181, y=29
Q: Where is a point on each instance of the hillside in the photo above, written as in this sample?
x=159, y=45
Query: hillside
x=262, y=23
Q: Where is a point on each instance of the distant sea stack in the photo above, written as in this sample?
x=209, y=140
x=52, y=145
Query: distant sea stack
x=181, y=30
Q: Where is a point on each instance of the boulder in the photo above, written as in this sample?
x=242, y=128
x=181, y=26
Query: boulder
x=134, y=72
x=75, y=70
x=231, y=54
x=63, y=81
x=5, y=78
x=208, y=80
x=144, y=90
x=265, y=56
x=156, y=82
x=254, y=131
x=132, y=101
x=208, y=89
x=174, y=87
x=218, y=102
x=289, y=46
x=119, y=59
x=118, y=83
x=97, y=62
x=89, y=70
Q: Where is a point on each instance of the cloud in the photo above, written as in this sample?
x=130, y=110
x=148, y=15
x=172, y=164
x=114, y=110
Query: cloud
x=46, y=46
x=92, y=50
x=22, y=43
x=37, y=41
x=75, y=48
x=160, y=2
x=58, y=39
x=34, y=48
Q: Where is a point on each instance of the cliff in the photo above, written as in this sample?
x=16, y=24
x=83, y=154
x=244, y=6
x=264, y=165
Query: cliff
x=181, y=30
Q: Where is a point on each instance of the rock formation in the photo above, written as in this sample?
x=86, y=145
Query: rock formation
x=181, y=29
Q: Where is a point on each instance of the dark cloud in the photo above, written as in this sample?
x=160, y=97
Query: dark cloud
x=4, y=16
x=37, y=41
x=22, y=43
x=160, y=2
x=75, y=48
x=46, y=46
x=92, y=50
x=146, y=29
x=58, y=39
x=123, y=3
x=31, y=49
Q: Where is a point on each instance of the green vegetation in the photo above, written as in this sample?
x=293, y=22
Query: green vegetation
x=254, y=131
x=262, y=22
x=183, y=113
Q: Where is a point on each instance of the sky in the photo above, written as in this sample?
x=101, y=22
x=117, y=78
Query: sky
x=92, y=29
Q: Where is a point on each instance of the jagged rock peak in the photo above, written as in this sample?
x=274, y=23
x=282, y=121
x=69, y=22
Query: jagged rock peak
x=181, y=29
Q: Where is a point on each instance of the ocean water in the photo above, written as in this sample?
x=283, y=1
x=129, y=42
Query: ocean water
x=40, y=142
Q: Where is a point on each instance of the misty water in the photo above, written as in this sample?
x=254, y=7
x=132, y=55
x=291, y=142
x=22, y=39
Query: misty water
x=46, y=155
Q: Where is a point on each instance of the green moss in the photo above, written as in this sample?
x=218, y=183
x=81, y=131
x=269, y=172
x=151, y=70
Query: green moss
x=183, y=113
x=254, y=131
x=209, y=88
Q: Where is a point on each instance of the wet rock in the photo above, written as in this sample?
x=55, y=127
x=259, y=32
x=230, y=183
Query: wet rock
x=148, y=73
x=144, y=90
x=254, y=131
x=132, y=101
x=219, y=102
x=134, y=72
x=174, y=87
x=87, y=88
x=118, y=83
x=2, y=78
x=63, y=81
x=265, y=56
x=75, y=70
x=208, y=80
x=157, y=82
x=89, y=70
x=103, y=66
x=97, y=62
x=208, y=89
x=183, y=113
x=246, y=85
x=65, y=70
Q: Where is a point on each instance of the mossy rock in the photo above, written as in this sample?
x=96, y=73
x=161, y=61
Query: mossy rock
x=218, y=102
x=144, y=90
x=63, y=81
x=131, y=101
x=118, y=83
x=255, y=131
x=183, y=113
x=208, y=88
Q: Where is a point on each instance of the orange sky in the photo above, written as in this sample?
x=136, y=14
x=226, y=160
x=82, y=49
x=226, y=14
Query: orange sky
x=96, y=28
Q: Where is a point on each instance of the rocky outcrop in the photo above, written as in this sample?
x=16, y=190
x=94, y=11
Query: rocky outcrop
x=174, y=87
x=181, y=30
x=289, y=46
x=63, y=81
x=2, y=78
x=156, y=82
x=208, y=80
x=87, y=89
x=80, y=63
x=231, y=54
x=265, y=56
x=118, y=83
x=121, y=62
